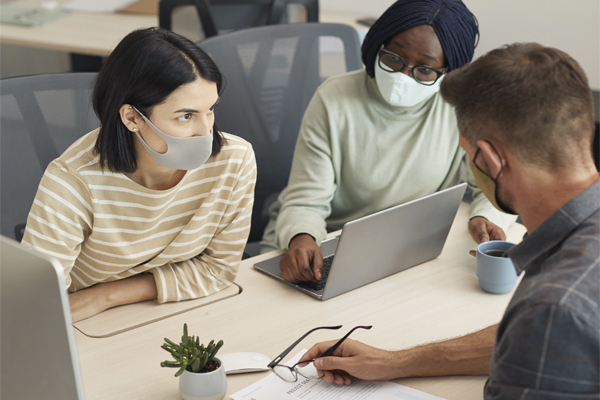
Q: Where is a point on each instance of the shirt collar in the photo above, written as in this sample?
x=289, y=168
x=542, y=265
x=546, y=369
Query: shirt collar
x=556, y=228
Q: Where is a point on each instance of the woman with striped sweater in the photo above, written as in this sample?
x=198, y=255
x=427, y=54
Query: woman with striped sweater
x=156, y=203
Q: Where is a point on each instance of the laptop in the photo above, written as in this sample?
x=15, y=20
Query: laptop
x=38, y=358
x=380, y=244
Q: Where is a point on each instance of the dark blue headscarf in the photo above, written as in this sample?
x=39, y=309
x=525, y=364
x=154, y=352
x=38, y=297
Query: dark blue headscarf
x=455, y=26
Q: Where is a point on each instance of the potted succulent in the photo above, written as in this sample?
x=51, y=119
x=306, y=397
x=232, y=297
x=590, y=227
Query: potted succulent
x=201, y=374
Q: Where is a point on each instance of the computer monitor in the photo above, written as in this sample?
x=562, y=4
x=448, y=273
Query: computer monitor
x=38, y=359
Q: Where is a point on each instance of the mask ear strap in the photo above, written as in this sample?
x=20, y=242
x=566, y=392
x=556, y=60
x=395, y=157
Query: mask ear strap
x=499, y=157
x=147, y=120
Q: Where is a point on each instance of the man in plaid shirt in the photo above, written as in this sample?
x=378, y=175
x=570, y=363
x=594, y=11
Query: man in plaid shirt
x=526, y=120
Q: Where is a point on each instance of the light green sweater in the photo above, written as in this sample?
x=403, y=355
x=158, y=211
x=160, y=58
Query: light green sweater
x=356, y=155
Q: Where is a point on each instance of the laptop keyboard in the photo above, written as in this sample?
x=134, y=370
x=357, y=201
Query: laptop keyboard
x=320, y=284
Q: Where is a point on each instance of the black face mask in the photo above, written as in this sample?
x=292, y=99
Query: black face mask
x=488, y=185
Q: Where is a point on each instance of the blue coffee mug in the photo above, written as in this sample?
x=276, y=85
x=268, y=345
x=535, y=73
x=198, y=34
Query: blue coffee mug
x=496, y=274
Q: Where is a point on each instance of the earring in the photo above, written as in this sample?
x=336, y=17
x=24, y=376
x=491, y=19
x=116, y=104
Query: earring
x=134, y=129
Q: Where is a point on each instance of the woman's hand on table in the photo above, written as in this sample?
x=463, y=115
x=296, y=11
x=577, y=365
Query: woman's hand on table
x=86, y=303
x=295, y=265
x=482, y=230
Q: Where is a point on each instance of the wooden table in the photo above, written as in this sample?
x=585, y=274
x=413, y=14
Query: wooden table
x=94, y=34
x=433, y=301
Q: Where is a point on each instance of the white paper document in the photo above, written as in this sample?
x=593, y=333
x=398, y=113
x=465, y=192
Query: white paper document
x=274, y=388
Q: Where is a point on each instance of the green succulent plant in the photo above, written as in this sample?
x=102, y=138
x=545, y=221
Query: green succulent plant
x=189, y=354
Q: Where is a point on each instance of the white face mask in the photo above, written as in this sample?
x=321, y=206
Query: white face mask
x=401, y=90
x=182, y=153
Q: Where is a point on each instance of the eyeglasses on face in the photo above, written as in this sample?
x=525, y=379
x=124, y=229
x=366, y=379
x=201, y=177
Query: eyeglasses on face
x=392, y=62
x=290, y=374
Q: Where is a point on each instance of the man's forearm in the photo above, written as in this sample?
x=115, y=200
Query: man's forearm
x=465, y=355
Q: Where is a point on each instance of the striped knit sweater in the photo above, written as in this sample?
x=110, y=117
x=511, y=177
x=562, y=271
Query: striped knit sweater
x=102, y=226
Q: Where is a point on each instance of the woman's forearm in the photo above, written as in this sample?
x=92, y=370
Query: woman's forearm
x=93, y=300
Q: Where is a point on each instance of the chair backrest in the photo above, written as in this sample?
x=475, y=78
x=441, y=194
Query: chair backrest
x=271, y=73
x=221, y=16
x=40, y=116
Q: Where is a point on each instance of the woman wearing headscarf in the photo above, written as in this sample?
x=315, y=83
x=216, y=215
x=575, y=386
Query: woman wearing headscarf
x=379, y=137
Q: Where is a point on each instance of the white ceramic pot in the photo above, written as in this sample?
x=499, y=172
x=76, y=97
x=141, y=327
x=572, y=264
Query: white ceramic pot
x=203, y=386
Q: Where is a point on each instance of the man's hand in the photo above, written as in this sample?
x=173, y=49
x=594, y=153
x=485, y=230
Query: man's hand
x=465, y=355
x=482, y=230
x=354, y=359
x=295, y=264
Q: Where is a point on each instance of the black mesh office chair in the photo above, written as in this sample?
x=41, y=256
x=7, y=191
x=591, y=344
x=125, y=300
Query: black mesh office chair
x=40, y=116
x=271, y=73
x=218, y=16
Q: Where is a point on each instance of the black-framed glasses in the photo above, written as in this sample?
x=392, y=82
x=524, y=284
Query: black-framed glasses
x=392, y=62
x=290, y=374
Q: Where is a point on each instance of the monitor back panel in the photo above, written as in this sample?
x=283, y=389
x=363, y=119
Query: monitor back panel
x=38, y=358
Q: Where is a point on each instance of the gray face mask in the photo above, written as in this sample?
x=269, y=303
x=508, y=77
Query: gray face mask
x=182, y=153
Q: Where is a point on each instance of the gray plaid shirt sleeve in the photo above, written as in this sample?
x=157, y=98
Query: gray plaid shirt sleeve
x=541, y=356
x=548, y=342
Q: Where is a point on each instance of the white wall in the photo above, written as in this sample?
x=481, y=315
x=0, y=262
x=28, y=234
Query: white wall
x=570, y=25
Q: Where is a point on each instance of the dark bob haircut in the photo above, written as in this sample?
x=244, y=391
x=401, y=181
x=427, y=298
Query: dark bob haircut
x=143, y=70
x=455, y=26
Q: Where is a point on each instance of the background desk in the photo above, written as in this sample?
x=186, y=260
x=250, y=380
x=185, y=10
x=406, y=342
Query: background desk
x=433, y=301
x=96, y=33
